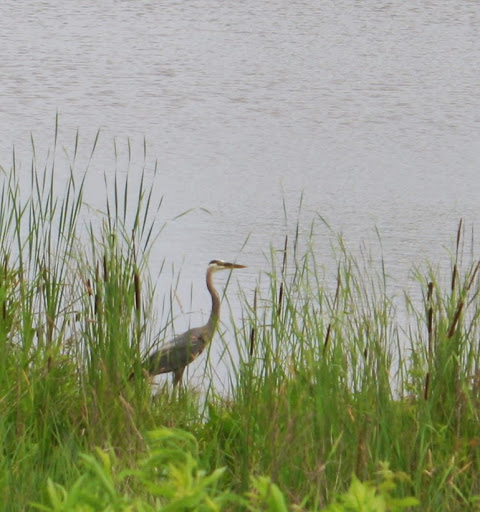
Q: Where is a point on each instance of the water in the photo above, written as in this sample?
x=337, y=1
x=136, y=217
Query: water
x=368, y=111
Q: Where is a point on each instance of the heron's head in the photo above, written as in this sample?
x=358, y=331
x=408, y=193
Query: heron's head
x=216, y=265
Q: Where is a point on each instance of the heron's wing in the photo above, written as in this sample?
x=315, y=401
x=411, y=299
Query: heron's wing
x=177, y=353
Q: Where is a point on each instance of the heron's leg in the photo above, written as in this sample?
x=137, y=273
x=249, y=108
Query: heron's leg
x=177, y=376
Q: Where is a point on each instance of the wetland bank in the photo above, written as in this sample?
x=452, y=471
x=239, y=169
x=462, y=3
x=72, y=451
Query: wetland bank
x=325, y=379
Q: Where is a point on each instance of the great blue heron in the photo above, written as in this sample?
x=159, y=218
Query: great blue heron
x=175, y=355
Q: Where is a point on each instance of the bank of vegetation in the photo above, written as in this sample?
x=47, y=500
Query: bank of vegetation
x=335, y=401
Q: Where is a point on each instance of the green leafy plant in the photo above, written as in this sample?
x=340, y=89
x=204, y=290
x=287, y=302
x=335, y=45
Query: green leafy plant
x=169, y=479
x=373, y=497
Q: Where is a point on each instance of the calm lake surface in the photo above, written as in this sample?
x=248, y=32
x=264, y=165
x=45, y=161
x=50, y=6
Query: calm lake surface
x=368, y=112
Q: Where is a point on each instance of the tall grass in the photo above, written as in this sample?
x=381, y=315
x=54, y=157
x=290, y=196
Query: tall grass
x=327, y=379
x=75, y=299
x=333, y=379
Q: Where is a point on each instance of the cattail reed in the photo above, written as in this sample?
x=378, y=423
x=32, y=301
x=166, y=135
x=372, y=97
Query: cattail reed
x=284, y=266
x=253, y=329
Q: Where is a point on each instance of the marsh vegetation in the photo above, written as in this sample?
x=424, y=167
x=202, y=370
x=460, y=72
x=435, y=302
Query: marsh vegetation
x=333, y=396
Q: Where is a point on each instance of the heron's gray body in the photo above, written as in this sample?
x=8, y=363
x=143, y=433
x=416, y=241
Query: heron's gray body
x=175, y=355
x=178, y=353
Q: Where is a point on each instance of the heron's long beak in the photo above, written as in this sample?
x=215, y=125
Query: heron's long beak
x=233, y=265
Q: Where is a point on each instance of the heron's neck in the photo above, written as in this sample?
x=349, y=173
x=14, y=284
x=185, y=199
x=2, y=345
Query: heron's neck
x=215, y=314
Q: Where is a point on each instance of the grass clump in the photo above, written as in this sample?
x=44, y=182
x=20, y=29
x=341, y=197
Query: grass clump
x=333, y=380
x=74, y=302
x=328, y=377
